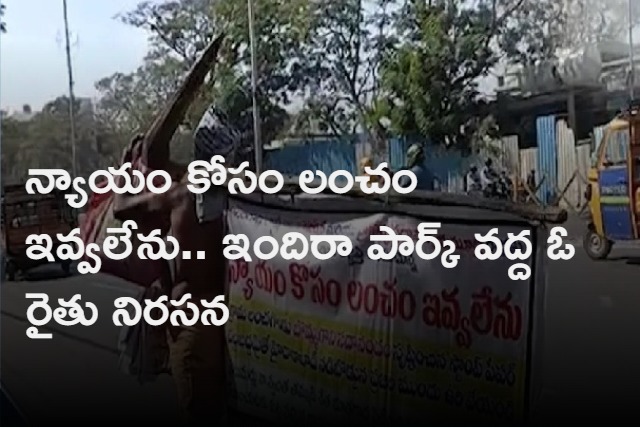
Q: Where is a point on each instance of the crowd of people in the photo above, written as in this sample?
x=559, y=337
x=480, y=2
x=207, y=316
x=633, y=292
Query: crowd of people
x=487, y=182
x=482, y=182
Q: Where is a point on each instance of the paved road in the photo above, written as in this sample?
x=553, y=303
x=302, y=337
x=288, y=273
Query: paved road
x=590, y=355
x=591, y=350
x=75, y=376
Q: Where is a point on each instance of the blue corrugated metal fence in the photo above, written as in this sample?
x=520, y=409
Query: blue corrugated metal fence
x=324, y=155
x=547, y=158
x=329, y=155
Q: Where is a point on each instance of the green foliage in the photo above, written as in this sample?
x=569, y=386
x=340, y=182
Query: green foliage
x=358, y=64
x=431, y=78
x=44, y=141
x=527, y=31
x=179, y=30
x=341, y=62
x=407, y=67
x=444, y=48
x=3, y=25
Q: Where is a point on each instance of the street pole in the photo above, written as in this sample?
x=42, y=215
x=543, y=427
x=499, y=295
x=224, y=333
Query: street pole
x=72, y=122
x=254, y=92
x=1, y=183
x=632, y=79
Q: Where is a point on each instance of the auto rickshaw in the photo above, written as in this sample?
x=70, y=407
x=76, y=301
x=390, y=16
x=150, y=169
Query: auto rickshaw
x=24, y=214
x=613, y=192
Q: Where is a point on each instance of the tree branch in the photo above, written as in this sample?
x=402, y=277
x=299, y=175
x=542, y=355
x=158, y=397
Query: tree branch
x=155, y=27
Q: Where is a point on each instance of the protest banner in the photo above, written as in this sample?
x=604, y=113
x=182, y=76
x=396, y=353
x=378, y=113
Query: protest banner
x=355, y=340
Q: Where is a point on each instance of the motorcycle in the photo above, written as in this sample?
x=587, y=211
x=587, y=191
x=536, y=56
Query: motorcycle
x=499, y=188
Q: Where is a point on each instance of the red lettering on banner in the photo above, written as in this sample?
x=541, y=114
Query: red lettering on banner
x=354, y=295
x=508, y=322
x=373, y=229
x=431, y=310
x=239, y=274
x=489, y=314
x=407, y=305
x=238, y=270
x=299, y=275
x=329, y=292
x=451, y=310
x=481, y=316
x=389, y=299
x=371, y=299
x=303, y=277
x=270, y=280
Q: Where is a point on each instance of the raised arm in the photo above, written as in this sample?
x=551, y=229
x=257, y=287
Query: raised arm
x=155, y=150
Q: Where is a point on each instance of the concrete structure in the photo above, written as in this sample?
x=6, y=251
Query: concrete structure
x=587, y=86
x=23, y=115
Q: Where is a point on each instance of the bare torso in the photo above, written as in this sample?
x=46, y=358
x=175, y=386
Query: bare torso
x=204, y=279
x=175, y=213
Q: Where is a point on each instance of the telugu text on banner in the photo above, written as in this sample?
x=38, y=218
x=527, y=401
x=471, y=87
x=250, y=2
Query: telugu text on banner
x=351, y=339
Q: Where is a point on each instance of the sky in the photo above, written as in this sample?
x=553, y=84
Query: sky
x=33, y=66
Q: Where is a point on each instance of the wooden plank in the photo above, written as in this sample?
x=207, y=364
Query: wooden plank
x=552, y=215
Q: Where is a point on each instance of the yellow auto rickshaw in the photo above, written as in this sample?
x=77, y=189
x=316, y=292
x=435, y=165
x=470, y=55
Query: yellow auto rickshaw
x=613, y=192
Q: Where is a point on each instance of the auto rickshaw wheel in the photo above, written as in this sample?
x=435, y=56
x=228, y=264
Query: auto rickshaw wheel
x=597, y=247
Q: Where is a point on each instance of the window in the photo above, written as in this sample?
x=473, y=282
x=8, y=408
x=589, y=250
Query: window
x=617, y=147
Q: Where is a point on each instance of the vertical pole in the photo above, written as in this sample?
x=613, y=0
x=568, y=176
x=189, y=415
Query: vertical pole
x=632, y=80
x=72, y=122
x=573, y=124
x=254, y=92
x=571, y=110
x=1, y=185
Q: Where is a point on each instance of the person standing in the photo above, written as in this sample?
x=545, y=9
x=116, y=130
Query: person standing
x=472, y=181
x=504, y=184
x=488, y=178
x=532, y=185
x=366, y=162
x=196, y=353
x=415, y=163
x=531, y=180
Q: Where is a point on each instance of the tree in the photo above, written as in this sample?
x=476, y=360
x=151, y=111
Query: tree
x=179, y=29
x=590, y=21
x=342, y=62
x=364, y=54
x=14, y=134
x=442, y=48
x=3, y=25
x=431, y=78
x=527, y=31
x=357, y=62
x=536, y=30
x=130, y=101
x=43, y=141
